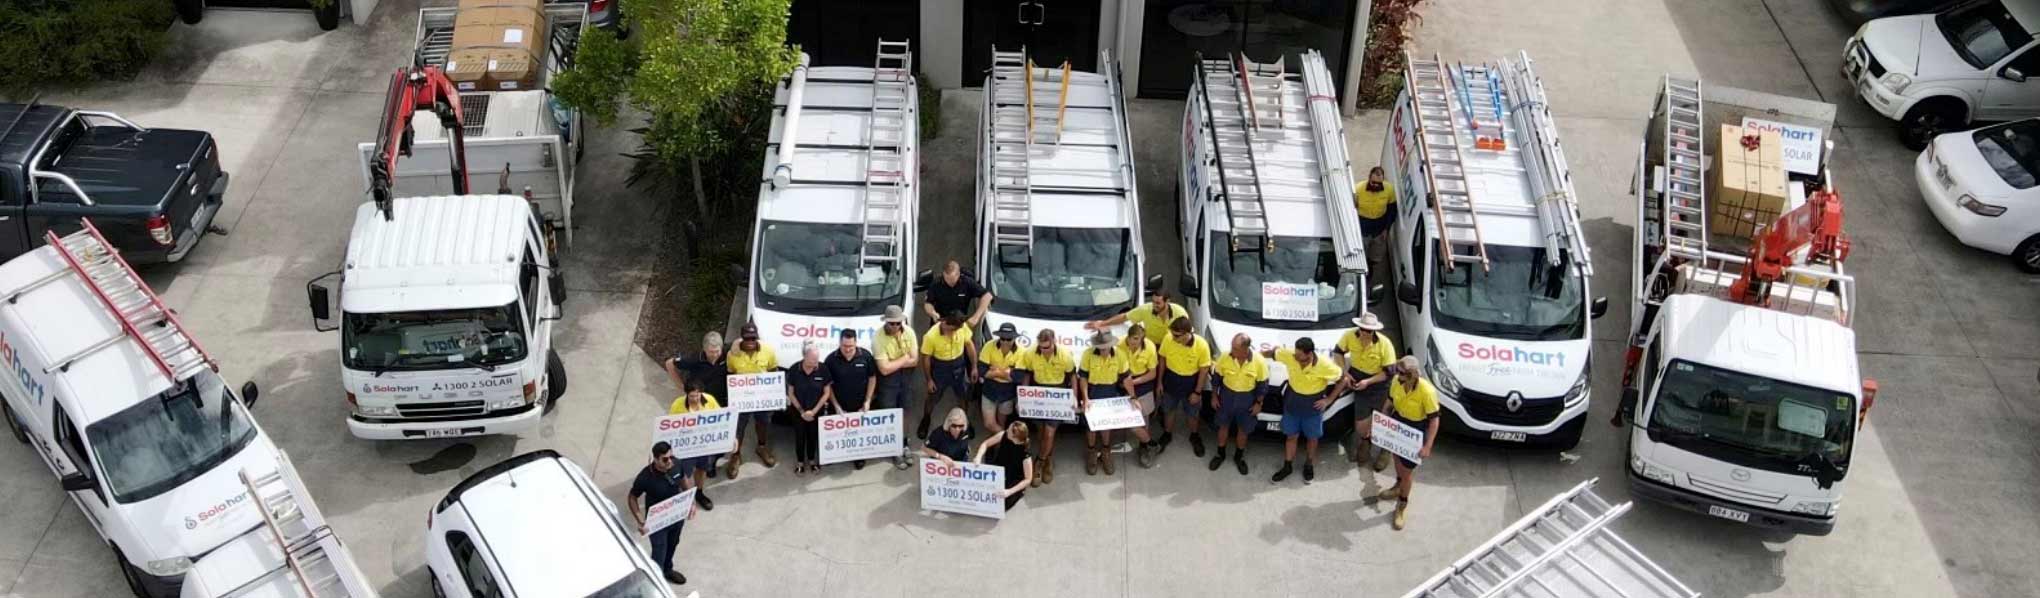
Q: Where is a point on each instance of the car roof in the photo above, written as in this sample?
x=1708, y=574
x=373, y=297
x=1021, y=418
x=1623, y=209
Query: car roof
x=439, y=252
x=1795, y=348
x=62, y=318
x=830, y=148
x=547, y=532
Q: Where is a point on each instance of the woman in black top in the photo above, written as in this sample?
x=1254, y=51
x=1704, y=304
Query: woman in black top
x=1008, y=449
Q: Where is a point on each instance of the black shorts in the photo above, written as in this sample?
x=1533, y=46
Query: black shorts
x=1372, y=227
x=1368, y=400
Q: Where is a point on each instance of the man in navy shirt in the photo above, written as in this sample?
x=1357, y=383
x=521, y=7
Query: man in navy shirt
x=658, y=481
x=809, y=394
x=853, y=377
x=954, y=292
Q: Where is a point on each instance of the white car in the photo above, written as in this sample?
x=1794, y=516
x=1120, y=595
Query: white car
x=1939, y=72
x=535, y=526
x=1978, y=184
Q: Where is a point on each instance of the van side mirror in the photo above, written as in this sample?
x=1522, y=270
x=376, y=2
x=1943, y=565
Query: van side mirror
x=557, y=286
x=1155, y=283
x=2013, y=74
x=1189, y=286
x=1599, y=308
x=322, y=302
x=1407, y=293
x=922, y=280
x=1375, y=294
x=77, y=482
x=249, y=392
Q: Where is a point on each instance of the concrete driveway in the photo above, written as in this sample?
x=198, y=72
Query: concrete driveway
x=1942, y=498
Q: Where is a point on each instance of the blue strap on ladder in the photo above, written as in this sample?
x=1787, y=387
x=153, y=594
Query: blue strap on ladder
x=1465, y=97
x=1495, y=88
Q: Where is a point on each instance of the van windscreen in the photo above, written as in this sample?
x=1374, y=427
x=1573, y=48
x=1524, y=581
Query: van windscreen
x=1069, y=273
x=1520, y=296
x=818, y=268
x=159, y=444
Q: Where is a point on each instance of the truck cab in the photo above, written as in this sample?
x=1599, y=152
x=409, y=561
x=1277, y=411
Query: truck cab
x=445, y=310
x=152, y=192
x=1058, y=218
x=1266, y=197
x=835, y=236
x=535, y=526
x=1492, y=272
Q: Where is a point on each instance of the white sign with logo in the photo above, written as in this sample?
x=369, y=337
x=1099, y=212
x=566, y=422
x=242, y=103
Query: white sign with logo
x=867, y=435
x=1288, y=301
x=1113, y=414
x=757, y=392
x=695, y=434
x=1396, y=437
x=1053, y=404
x=670, y=511
x=1802, y=147
x=968, y=488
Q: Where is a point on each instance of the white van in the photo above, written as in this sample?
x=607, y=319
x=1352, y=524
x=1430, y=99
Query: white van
x=1493, y=270
x=1267, y=202
x=126, y=409
x=295, y=554
x=835, y=238
x=1937, y=73
x=1057, y=214
x=535, y=526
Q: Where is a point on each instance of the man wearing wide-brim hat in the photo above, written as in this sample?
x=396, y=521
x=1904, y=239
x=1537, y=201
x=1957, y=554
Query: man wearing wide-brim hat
x=1364, y=353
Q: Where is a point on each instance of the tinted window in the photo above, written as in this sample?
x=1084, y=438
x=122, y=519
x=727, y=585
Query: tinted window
x=474, y=566
x=1071, y=273
x=1982, y=33
x=528, y=278
x=1758, y=421
x=159, y=444
x=1236, y=278
x=1520, y=295
x=819, y=268
x=2013, y=151
x=634, y=585
x=487, y=336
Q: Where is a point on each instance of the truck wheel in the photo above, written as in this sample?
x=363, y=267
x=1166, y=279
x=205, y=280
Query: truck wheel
x=128, y=573
x=556, y=380
x=190, y=11
x=2027, y=255
x=1928, y=119
x=13, y=425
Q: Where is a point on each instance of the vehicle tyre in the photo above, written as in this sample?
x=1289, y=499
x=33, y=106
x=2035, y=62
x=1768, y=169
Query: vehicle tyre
x=1931, y=117
x=13, y=425
x=190, y=11
x=556, y=380
x=2027, y=255
x=128, y=573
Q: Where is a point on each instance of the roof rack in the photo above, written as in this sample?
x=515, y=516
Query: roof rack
x=1565, y=548
x=1438, y=129
x=1232, y=148
x=885, y=159
x=1544, y=162
x=141, y=314
x=1012, y=141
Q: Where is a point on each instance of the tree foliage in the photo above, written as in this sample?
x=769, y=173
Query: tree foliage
x=45, y=43
x=1388, y=32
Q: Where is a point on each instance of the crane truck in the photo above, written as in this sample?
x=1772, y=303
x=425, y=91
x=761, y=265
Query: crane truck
x=1741, y=394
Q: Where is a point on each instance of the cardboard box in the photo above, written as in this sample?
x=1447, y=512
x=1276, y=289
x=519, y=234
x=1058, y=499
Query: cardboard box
x=1747, y=187
x=491, y=69
x=466, y=4
x=466, y=68
x=502, y=43
x=515, y=27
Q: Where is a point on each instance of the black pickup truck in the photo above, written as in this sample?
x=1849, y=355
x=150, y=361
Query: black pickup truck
x=152, y=192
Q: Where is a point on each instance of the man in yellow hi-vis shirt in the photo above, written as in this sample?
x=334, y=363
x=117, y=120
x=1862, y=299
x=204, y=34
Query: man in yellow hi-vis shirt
x=1304, y=402
x=1375, y=200
x=752, y=357
x=1242, y=379
x=946, y=358
x=1186, y=375
x=1366, y=353
x=1047, y=365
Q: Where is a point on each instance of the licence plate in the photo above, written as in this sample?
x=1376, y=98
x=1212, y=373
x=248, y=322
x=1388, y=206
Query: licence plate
x=448, y=432
x=1509, y=436
x=1729, y=514
x=1274, y=426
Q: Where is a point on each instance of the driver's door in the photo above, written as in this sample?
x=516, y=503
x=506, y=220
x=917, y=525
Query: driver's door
x=2012, y=89
x=70, y=456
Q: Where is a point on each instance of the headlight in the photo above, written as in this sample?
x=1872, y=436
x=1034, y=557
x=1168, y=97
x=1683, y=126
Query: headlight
x=1662, y=475
x=1979, y=208
x=1897, y=82
x=168, y=567
x=1818, y=508
x=376, y=410
x=1441, y=377
x=506, y=404
x=1578, y=392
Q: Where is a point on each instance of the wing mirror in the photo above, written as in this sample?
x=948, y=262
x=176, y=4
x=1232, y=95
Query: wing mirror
x=1190, y=287
x=1407, y=293
x=78, y=482
x=922, y=280
x=1599, y=308
x=322, y=302
x=1155, y=283
x=1375, y=294
x=2013, y=74
x=249, y=392
x=557, y=285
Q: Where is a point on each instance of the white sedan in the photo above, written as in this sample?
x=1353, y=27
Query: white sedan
x=1984, y=186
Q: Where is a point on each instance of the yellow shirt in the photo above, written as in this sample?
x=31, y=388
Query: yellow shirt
x=1373, y=204
x=1156, y=325
x=1185, y=361
x=679, y=406
x=1370, y=359
x=1414, y=404
x=994, y=358
x=1307, y=381
x=1048, y=371
x=1099, y=369
x=753, y=363
x=892, y=347
x=945, y=347
x=1138, y=362
x=1241, y=377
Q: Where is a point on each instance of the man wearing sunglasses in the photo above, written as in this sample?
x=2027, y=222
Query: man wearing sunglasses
x=897, y=353
x=658, y=481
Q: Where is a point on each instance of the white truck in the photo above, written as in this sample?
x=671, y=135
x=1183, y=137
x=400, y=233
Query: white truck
x=1493, y=282
x=1567, y=548
x=294, y=554
x=1740, y=383
x=127, y=410
x=835, y=237
x=1267, y=195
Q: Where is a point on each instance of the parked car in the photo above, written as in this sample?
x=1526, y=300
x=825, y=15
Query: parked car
x=1984, y=186
x=1940, y=72
x=535, y=526
x=1860, y=11
x=152, y=192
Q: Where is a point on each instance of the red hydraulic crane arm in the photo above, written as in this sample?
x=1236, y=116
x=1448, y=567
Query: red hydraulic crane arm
x=411, y=90
x=1816, y=225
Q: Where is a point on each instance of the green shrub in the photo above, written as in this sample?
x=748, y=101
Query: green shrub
x=931, y=107
x=58, y=42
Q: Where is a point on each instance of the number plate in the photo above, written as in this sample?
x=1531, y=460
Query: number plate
x=444, y=433
x=1509, y=436
x=1729, y=514
x=1274, y=426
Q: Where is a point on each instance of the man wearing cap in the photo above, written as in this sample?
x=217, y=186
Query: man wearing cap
x=1310, y=390
x=946, y=358
x=1047, y=365
x=1242, y=379
x=896, y=353
x=752, y=357
x=1186, y=373
x=1365, y=354
x=996, y=364
x=1105, y=377
x=853, y=378
x=954, y=292
x=1154, y=317
x=710, y=367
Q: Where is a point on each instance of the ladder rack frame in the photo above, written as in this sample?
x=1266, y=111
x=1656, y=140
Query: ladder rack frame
x=1225, y=196
x=129, y=327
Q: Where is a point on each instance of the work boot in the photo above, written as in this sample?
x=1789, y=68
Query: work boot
x=1282, y=474
x=1380, y=460
x=1162, y=446
x=1105, y=460
x=857, y=465
x=1359, y=452
x=1239, y=461
x=900, y=463
x=765, y=456
x=1402, y=515
x=1146, y=455
x=730, y=465
x=1047, y=470
x=701, y=500
x=1309, y=473
x=1090, y=461
x=1386, y=494
x=1218, y=459
x=1196, y=444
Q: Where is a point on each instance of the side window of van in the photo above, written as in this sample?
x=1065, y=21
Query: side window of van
x=73, y=445
x=474, y=569
x=529, y=280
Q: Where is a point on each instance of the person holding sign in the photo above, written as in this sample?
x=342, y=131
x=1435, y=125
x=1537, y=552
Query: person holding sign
x=1047, y=365
x=896, y=352
x=996, y=363
x=952, y=442
x=853, y=379
x=656, y=483
x=695, y=401
x=1366, y=354
x=808, y=392
x=710, y=367
x=946, y=358
x=1186, y=372
x=1303, y=403
x=1412, y=401
x=1141, y=373
x=1008, y=449
x=1242, y=379
x=1105, y=378
x=752, y=357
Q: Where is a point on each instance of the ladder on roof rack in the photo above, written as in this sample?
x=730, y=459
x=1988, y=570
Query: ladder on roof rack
x=1444, y=162
x=885, y=139
x=1335, y=167
x=1480, y=94
x=1564, y=548
x=1682, y=207
x=1544, y=161
x=1012, y=141
x=1046, y=129
x=1265, y=97
x=297, y=527
x=141, y=314
x=1232, y=150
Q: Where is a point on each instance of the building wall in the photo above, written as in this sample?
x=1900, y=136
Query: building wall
x=941, y=55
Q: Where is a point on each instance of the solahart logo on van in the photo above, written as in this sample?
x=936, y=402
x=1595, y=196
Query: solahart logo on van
x=21, y=372
x=215, y=513
x=374, y=388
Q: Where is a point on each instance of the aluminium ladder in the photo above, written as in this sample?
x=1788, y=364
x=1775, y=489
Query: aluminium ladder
x=1682, y=209
x=1564, y=549
x=1232, y=149
x=1335, y=167
x=1480, y=95
x=1544, y=160
x=141, y=314
x=885, y=135
x=1444, y=162
x=1012, y=140
x=299, y=530
x=1045, y=129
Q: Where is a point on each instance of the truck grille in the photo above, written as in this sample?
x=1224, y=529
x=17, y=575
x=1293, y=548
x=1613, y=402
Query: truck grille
x=1734, y=491
x=1492, y=409
x=440, y=410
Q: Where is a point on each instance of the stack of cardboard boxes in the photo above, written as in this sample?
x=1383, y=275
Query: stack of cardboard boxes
x=1748, y=187
x=498, y=45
